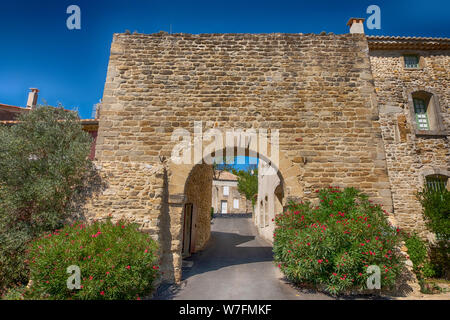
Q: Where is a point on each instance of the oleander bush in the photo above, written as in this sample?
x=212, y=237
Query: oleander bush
x=116, y=261
x=332, y=245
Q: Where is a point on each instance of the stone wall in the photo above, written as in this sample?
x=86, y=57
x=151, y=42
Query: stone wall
x=198, y=192
x=410, y=157
x=317, y=90
x=269, y=201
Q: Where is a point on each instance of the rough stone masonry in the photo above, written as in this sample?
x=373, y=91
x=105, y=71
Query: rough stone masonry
x=319, y=91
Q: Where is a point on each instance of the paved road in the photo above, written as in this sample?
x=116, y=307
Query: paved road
x=236, y=264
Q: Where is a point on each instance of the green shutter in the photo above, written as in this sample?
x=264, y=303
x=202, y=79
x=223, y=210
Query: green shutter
x=437, y=182
x=421, y=114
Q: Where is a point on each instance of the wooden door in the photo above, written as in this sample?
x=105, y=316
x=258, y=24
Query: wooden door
x=187, y=229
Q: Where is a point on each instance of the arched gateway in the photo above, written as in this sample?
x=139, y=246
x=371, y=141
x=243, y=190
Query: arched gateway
x=316, y=91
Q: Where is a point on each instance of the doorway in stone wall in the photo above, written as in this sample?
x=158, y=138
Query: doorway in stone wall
x=229, y=256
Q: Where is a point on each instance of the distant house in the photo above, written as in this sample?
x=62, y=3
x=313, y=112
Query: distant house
x=8, y=116
x=226, y=198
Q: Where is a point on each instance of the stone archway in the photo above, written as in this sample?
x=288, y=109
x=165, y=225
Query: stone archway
x=193, y=184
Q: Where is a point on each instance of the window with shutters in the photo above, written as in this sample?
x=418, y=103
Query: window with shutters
x=421, y=114
x=411, y=61
x=426, y=114
x=437, y=182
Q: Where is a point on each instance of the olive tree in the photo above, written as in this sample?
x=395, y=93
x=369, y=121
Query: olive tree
x=43, y=161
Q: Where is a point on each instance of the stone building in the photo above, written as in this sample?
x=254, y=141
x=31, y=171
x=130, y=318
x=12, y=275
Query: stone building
x=225, y=195
x=412, y=79
x=269, y=201
x=348, y=109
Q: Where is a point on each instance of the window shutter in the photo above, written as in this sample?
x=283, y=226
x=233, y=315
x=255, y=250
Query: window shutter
x=421, y=114
x=411, y=61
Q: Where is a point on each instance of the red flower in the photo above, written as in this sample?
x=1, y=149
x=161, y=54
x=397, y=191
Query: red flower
x=102, y=293
x=128, y=267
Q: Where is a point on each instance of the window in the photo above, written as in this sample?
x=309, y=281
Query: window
x=411, y=61
x=437, y=182
x=421, y=114
x=426, y=114
x=236, y=204
x=225, y=191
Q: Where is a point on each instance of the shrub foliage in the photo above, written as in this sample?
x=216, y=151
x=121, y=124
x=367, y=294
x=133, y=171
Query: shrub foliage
x=436, y=212
x=43, y=159
x=116, y=261
x=333, y=244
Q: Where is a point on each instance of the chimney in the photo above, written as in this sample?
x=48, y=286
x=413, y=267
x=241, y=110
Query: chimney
x=356, y=25
x=32, y=98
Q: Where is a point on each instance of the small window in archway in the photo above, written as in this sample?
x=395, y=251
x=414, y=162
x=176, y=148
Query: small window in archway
x=421, y=114
x=437, y=182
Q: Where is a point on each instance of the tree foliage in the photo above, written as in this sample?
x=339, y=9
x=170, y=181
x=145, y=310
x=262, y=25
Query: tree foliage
x=43, y=161
x=436, y=211
x=248, y=183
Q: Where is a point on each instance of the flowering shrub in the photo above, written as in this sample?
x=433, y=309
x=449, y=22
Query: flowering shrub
x=116, y=261
x=334, y=243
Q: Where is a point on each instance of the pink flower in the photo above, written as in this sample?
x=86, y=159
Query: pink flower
x=102, y=293
x=128, y=267
x=107, y=272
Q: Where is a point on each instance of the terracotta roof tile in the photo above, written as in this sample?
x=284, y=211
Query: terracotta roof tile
x=398, y=42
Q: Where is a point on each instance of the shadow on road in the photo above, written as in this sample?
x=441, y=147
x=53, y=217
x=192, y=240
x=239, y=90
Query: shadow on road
x=226, y=249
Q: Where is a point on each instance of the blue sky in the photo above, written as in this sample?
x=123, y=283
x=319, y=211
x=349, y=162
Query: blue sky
x=242, y=163
x=69, y=66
